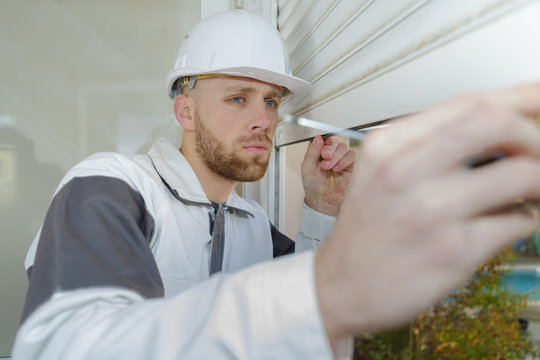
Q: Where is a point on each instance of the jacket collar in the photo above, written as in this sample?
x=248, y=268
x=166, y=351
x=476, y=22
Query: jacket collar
x=179, y=177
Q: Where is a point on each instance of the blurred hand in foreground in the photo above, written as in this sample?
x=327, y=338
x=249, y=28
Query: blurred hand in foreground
x=417, y=220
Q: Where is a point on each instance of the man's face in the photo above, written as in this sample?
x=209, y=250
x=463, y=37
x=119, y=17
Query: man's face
x=235, y=121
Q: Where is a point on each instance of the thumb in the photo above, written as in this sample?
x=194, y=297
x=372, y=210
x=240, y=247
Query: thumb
x=313, y=155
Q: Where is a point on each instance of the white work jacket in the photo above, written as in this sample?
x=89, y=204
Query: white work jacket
x=120, y=270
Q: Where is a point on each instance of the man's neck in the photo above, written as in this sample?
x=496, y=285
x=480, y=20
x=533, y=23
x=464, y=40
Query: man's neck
x=216, y=187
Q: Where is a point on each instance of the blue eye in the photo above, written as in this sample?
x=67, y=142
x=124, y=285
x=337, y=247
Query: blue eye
x=270, y=103
x=237, y=99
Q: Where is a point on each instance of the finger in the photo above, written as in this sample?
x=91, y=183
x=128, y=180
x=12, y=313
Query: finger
x=493, y=130
x=486, y=235
x=410, y=129
x=497, y=185
x=313, y=155
x=477, y=192
x=329, y=147
x=338, y=153
x=346, y=162
x=329, y=141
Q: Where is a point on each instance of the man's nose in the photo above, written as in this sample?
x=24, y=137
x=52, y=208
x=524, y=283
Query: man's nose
x=262, y=119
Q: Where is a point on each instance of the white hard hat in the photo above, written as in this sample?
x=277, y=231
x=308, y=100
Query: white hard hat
x=236, y=43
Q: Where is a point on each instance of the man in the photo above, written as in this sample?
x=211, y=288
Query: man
x=415, y=223
x=155, y=226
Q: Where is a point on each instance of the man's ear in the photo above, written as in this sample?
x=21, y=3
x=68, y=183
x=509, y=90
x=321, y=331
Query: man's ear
x=183, y=112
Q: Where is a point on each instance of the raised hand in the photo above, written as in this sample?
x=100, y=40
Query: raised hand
x=327, y=172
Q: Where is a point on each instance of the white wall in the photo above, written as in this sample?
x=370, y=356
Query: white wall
x=76, y=77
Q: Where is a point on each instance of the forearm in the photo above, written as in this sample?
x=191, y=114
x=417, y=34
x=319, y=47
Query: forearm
x=267, y=311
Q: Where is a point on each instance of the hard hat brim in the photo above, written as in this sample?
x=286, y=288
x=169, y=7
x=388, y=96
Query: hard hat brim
x=295, y=85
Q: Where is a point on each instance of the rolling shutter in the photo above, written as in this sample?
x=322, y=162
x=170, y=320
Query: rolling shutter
x=371, y=60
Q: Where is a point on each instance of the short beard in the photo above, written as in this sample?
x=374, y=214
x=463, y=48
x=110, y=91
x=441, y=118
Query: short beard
x=225, y=163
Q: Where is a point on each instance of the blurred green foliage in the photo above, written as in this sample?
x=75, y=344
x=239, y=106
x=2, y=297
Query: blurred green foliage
x=478, y=321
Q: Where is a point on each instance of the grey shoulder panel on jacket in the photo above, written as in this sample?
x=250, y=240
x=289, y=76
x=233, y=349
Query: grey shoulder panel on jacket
x=96, y=233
